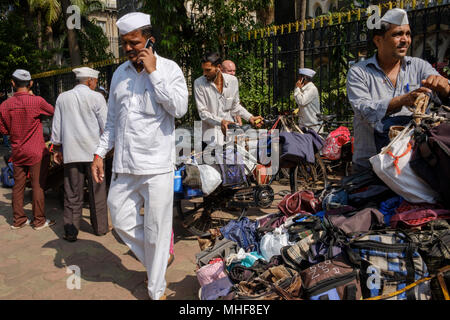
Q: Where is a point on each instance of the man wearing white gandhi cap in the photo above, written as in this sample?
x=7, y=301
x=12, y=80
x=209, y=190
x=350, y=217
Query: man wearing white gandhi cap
x=78, y=122
x=147, y=93
x=382, y=87
x=307, y=97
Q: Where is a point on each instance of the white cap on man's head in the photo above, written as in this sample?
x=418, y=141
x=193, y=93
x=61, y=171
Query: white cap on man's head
x=133, y=21
x=306, y=72
x=85, y=72
x=21, y=74
x=396, y=16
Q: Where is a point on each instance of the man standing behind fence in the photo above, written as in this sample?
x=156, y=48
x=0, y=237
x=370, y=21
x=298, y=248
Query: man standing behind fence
x=307, y=97
x=79, y=120
x=20, y=119
x=217, y=98
x=380, y=87
x=147, y=93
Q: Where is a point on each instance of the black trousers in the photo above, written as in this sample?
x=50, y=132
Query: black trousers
x=75, y=175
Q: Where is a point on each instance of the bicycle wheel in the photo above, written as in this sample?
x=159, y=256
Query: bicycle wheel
x=198, y=215
x=309, y=176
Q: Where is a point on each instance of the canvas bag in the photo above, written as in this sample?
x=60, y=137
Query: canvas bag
x=243, y=232
x=392, y=166
x=389, y=260
x=359, y=221
x=232, y=168
x=331, y=280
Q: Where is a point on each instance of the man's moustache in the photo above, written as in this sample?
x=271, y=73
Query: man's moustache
x=131, y=52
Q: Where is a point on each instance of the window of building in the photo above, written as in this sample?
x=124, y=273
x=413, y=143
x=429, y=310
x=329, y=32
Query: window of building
x=101, y=24
x=318, y=11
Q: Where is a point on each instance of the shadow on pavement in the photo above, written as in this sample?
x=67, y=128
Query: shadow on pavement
x=98, y=264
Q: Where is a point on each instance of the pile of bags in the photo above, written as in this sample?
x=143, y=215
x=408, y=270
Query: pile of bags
x=358, y=241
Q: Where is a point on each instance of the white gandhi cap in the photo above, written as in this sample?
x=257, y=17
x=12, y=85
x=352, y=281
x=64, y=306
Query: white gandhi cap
x=132, y=21
x=396, y=16
x=21, y=74
x=307, y=72
x=85, y=72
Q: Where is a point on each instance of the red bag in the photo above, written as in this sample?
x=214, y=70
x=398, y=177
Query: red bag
x=261, y=174
x=418, y=217
x=334, y=142
x=299, y=202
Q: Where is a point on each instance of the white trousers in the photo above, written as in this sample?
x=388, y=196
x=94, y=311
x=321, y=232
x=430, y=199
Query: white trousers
x=147, y=236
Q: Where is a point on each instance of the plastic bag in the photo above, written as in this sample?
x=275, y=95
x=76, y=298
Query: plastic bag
x=272, y=243
x=210, y=177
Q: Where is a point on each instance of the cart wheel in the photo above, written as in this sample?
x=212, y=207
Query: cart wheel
x=199, y=217
x=309, y=176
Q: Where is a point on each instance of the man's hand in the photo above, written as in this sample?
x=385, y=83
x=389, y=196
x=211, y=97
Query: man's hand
x=97, y=170
x=238, y=120
x=437, y=83
x=299, y=84
x=148, y=59
x=407, y=99
x=58, y=157
x=256, y=121
x=224, y=126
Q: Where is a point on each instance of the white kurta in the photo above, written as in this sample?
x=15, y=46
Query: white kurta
x=307, y=99
x=78, y=122
x=140, y=125
x=213, y=106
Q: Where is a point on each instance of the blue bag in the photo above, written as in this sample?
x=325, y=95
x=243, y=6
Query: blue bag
x=178, y=180
x=243, y=232
x=7, y=176
x=191, y=193
x=232, y=168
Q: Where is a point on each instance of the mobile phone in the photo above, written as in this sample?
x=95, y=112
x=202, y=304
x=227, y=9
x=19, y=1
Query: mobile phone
x=149, y=44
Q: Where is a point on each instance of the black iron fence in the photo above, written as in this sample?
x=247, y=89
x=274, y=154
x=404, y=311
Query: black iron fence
x=268, y=59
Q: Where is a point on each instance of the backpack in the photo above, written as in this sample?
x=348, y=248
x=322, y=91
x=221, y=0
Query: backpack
x=430, y=159
x=7, y=175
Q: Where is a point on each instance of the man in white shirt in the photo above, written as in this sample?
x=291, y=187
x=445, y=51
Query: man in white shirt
x=147, y=92
x=78, y=122
x=307, y=97
x=229, y=67
x=217, y=99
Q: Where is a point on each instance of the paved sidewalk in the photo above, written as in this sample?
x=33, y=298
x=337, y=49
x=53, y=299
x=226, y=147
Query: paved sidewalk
x=33, y=264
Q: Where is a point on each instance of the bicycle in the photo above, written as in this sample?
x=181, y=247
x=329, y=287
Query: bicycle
x=201, y=214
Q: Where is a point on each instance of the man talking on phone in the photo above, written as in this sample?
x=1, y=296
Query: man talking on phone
x=307, y=97
x=147, y=93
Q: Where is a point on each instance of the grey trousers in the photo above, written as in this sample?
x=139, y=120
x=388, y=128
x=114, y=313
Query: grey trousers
x=75, y=175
